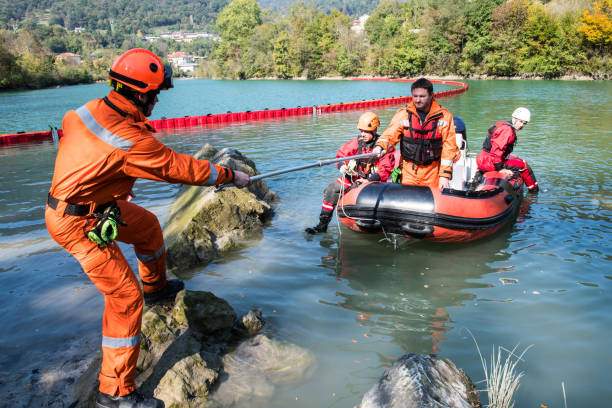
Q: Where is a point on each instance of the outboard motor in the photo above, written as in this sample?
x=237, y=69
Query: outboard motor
x=461, y=133
x=462, y=168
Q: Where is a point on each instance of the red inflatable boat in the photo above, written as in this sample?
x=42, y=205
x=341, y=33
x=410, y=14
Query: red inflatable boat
x=464, y=212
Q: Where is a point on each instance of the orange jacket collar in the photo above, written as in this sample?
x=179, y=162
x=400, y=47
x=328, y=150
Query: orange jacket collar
x=433, y=110
x=128, y=107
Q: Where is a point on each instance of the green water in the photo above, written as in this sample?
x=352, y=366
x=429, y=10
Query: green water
x=352, y=299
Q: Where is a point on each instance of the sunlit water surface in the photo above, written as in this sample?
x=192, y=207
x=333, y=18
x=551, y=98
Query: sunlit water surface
x=352, y=299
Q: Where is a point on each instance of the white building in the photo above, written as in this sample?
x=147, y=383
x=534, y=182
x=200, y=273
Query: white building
x=359, y=23
x=182, y=61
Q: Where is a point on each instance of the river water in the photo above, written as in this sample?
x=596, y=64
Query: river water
x=354, y=300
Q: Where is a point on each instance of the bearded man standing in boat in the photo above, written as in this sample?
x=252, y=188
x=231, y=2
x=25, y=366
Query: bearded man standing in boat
x=499, y=143
x=426, y=133
x=355, y=172
x=108, y=143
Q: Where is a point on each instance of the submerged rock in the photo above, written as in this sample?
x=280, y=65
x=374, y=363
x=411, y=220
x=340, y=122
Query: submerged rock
x=422, y=381
x=258, y=365
x=205, y=222
x=188, y=348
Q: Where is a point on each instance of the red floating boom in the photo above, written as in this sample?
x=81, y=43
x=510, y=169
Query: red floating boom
x=249, y=116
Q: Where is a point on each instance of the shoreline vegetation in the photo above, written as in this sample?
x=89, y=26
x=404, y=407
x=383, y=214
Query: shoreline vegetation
x=479, y=39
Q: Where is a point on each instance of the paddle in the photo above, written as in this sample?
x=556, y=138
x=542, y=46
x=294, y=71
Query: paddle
x=320, y=163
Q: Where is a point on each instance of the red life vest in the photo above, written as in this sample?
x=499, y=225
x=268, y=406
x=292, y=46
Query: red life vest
x=486, y=145
x=421, y=144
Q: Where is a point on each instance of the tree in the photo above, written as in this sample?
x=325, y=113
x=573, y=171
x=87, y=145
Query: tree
x=280, y=54
x=238, y=20
x=385, y=22
x=596, y=27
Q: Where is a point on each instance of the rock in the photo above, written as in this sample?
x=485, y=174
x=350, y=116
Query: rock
x=252, y=321
x=205, y=222
x=203, y=311
x=187, y=349
x=257, y=365
x=422, y=381
x=188, y=381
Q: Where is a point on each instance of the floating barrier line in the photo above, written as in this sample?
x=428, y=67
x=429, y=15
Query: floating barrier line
x=223, y=119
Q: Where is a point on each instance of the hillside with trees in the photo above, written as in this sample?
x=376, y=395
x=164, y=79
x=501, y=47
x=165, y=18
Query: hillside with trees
x=442, y=37
x=469, y=38
x=124, y=16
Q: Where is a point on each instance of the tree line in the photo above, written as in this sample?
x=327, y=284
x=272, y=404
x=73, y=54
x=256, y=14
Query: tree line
x=403, y=39
x=399, y=39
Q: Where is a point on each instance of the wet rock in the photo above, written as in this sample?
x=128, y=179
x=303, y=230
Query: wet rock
x=205, y=222
x=422, y=381
x=186, y=383
x=187, y=349
x=258, y=365
x=203, y=311
x=252, y=321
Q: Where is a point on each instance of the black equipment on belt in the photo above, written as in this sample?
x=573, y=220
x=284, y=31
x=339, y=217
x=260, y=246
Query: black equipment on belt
x=106, y=229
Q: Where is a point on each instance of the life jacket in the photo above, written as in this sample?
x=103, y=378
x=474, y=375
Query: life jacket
x=421, y=144
x=486, y=145
x=366, y=166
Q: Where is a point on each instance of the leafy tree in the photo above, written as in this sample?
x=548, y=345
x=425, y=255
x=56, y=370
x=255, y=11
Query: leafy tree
x=282, y=67
x=596, y=27
x=385, y=22
x=239, y=19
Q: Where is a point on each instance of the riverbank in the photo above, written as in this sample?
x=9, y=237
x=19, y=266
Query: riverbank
x=602, y=76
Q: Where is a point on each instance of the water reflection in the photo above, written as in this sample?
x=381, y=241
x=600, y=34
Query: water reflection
x=404, y=294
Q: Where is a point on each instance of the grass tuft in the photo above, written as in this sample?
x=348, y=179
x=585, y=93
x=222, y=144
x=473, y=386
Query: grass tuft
x=501, y=377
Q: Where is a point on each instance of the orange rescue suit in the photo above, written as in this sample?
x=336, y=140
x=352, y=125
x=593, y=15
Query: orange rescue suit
x=107, y=144
x=438, y=126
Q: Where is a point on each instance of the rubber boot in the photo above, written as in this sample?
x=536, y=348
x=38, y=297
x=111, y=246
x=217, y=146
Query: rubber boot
x=133, y=400
x=168, y=292
x=324, y=220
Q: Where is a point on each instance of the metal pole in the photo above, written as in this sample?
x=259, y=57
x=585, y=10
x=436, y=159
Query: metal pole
x=320, y=163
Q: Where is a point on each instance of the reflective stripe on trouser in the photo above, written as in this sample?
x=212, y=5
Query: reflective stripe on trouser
x=520, y=165
x=426, y=175
x=331, y=194
x=111, y=274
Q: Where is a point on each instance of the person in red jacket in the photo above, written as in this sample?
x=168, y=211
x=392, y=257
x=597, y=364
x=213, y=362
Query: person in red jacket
x=355, y=172
x=108, y=143
x=499, y=143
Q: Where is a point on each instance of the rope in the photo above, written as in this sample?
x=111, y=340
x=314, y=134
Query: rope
x=391, y=239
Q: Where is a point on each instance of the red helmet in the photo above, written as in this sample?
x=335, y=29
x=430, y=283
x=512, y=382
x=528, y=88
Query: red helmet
x=142, y=71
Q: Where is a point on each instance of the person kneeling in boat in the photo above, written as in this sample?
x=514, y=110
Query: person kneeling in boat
x=355, y=172
x=426, y=133
x=498, y=145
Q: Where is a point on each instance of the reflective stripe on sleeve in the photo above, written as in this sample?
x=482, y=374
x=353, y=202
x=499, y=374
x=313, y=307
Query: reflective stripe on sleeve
x=214, y=175
x=144, y=258
x=118, y=342
x=97, y=129
x=445, y=162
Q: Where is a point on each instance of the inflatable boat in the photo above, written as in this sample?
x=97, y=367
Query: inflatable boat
x=476, y=205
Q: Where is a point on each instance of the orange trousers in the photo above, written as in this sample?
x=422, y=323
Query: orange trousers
x=425, y=175
x=111, y=274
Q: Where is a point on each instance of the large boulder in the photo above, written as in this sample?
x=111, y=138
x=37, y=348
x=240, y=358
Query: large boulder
x=422, y=381
x=190, y=347
x=205, y=222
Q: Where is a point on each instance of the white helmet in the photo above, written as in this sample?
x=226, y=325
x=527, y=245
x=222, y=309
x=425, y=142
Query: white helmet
x=522, y=114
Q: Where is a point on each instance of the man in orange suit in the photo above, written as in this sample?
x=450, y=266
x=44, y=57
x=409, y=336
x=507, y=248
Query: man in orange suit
x=107, y=144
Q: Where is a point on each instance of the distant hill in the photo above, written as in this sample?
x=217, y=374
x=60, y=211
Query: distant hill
x=353, y=8
x=127, y=16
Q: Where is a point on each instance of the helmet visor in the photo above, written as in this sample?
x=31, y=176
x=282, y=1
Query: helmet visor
x=167, y=84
